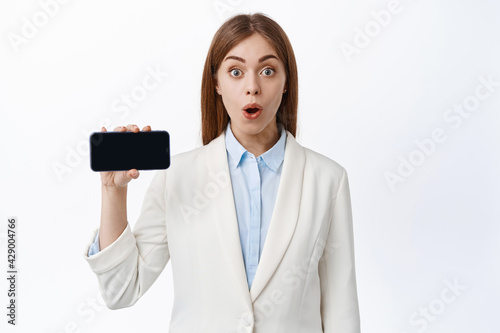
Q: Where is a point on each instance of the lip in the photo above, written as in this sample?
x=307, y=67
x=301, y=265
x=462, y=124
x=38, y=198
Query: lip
x=252, y=116
x=252, y=106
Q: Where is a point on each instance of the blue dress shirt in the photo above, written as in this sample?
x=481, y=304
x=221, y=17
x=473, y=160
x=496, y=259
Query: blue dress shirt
x=255, y=182
x=255, y=186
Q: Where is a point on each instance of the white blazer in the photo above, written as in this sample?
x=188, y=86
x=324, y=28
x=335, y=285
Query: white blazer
x=305, y=281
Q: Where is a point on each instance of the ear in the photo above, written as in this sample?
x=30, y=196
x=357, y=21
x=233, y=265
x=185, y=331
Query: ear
x=217, y=88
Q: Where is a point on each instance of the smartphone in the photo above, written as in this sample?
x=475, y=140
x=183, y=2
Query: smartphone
x=122, y=151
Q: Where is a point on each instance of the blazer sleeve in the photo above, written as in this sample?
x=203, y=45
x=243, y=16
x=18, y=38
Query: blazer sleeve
x=128, y=267
x=339, y=300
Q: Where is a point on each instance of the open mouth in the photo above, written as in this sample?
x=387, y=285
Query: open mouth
x=252, y=110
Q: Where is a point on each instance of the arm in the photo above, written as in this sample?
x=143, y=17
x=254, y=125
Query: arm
x=127, y=267
x=339, y=301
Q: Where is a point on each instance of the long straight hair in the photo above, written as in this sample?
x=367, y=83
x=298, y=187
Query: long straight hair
x=214, y=117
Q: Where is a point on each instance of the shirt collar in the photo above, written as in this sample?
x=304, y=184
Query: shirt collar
x=273, y=157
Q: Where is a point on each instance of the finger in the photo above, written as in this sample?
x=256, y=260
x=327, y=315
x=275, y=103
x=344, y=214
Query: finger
x=133, y=174
x=103, y=129
x=147, y=128
x=120, y=129
x=133, y=128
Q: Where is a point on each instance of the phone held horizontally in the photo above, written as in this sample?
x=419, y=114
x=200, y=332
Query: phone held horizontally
x=122, y=151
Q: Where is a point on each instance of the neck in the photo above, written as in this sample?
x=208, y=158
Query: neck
x=259, y=143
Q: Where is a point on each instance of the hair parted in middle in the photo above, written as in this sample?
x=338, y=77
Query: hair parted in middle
x=214, y=117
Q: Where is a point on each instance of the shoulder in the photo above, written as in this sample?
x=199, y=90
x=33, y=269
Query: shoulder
x=330, y=172
x=323, y=161
x=195, y=160
x=327, y=166
x=326, y=173
x=190, y=159
x=188, y=156
x=322, y=172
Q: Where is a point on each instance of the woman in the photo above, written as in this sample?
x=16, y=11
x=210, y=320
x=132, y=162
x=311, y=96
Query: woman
x=257, y=227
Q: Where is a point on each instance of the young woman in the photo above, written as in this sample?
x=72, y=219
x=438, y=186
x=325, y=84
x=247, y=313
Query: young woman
x=257, y=227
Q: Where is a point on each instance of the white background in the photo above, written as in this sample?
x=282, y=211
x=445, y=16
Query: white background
x=439, y=223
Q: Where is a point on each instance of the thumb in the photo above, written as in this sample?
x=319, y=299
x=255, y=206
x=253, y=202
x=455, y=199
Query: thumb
x=133, y=174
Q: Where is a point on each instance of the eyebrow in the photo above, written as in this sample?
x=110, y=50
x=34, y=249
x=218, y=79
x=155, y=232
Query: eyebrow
x=269, y=56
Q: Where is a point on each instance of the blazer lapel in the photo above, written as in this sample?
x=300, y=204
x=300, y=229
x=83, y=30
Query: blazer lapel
x=284, y=217
x=225, y=215
x=283, y=220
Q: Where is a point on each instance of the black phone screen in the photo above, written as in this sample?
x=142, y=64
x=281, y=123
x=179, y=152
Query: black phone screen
x=122, y=151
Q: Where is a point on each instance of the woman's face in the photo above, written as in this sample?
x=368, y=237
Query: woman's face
x=252, y=73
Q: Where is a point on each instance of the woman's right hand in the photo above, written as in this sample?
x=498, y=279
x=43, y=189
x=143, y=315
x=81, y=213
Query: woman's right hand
x=118, y=180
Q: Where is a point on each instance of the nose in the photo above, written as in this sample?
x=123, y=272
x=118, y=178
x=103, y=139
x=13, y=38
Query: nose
x=253, y=87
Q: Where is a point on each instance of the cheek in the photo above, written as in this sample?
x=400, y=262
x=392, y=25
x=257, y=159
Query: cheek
x=230, y=102
x=277, y=85
x=228, y=87
x=276, y=91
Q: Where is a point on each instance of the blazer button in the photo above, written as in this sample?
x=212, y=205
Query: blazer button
x=247, y=319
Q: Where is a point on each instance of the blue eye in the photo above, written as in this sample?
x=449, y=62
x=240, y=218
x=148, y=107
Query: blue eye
x=268, y=71
x=235, y=72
